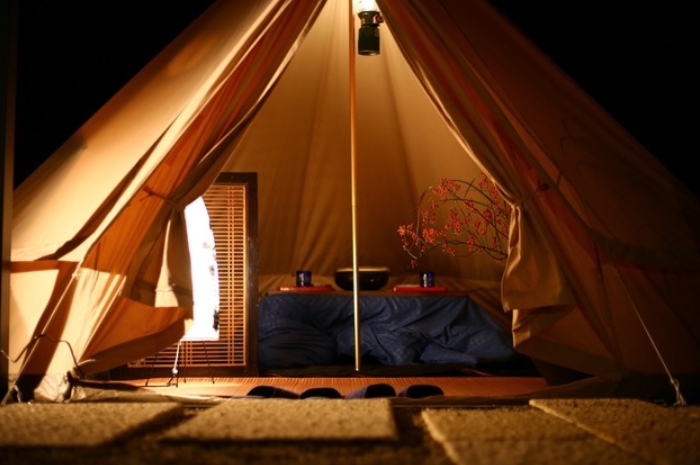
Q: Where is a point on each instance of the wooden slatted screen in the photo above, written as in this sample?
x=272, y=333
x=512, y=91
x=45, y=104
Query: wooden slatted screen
x=232, y=205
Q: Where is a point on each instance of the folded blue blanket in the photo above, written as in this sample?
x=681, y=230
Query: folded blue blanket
x=300, y=329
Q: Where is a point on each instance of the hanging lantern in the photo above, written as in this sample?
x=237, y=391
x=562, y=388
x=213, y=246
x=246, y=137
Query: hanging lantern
x=368, y=35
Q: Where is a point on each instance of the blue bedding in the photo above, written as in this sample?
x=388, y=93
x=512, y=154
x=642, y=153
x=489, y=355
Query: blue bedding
x=311, y=329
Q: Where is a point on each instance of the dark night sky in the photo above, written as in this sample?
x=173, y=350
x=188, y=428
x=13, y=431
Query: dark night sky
x=639, y=64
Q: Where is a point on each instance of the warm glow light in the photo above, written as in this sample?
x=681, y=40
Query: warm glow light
x=205, y=275
x=365, y=5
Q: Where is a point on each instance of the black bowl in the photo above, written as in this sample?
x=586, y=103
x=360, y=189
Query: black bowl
x=372, y=278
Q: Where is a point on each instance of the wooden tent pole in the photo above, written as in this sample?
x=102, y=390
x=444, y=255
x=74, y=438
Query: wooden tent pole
x=353, y=182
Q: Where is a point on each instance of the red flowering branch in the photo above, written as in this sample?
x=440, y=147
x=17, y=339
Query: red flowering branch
x=459, y=218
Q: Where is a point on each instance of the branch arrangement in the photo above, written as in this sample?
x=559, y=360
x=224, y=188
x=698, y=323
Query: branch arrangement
x=459, y=218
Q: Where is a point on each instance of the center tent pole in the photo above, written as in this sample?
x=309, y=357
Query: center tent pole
x=353, y=182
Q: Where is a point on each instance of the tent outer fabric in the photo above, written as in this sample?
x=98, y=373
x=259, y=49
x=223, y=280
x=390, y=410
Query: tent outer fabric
x=604, y=256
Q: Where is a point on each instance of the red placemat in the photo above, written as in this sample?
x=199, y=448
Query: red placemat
x=324, y=288
x=410, y=288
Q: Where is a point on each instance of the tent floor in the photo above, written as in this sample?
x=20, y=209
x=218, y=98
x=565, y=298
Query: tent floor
x=453, y=387
x=459, y=385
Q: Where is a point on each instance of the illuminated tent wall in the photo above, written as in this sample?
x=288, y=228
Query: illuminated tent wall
x=604, y=254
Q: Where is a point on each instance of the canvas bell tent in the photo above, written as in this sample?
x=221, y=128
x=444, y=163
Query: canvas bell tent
x=604, y=257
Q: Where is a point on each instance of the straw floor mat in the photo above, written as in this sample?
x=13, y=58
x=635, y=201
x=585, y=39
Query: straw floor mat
x=581, y=431
x=78, y=425
x=658, y=434
x=517, y=435
x=290, y=419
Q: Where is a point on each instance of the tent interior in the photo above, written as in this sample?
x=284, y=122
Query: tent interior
x=603, y=255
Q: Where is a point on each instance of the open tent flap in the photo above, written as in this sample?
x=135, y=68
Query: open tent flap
x=603, y=243
x=130, y=230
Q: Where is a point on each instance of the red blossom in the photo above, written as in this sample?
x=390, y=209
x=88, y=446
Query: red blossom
x=460, y=218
